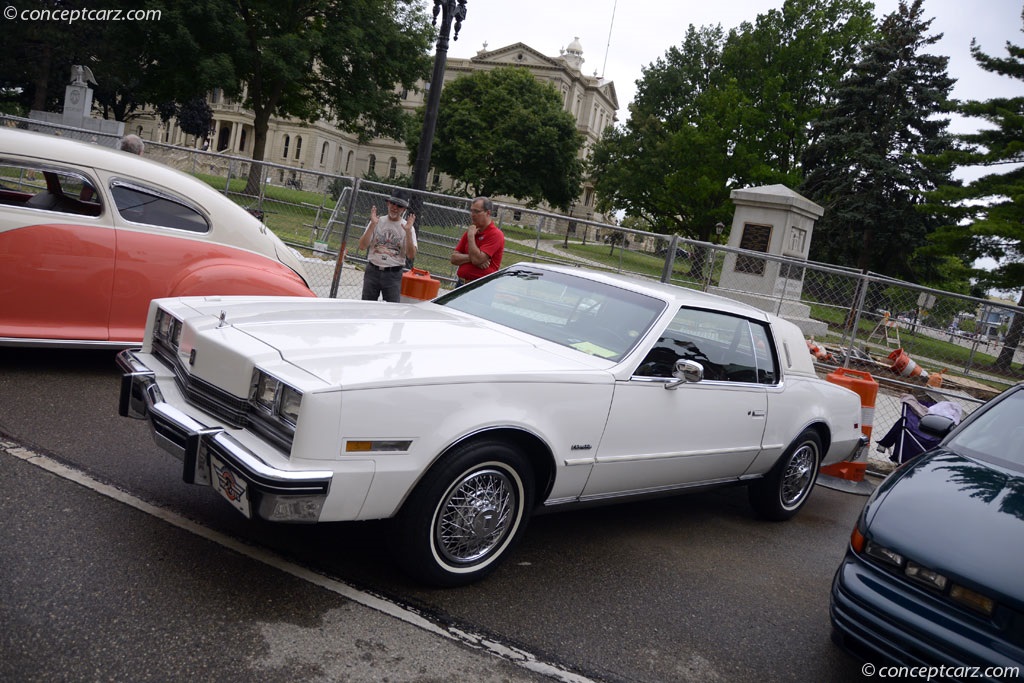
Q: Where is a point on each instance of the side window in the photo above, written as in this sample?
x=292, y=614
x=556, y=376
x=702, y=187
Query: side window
x=48, y=189
x=764, y=355
x=139, y=205
x=729, y=348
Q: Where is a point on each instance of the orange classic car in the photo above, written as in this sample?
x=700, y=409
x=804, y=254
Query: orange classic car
x=89, y=235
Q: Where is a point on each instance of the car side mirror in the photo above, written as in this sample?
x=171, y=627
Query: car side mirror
x=685, y=371
x=936, y=425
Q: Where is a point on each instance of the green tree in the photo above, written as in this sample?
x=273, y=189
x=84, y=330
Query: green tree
x=723, y=111
x=135, y=63
x=788, y=65
x=671, y=164
x=36, y=60
x=878, y=151
x=343, y=60
x=988, y=212
x=503, y=132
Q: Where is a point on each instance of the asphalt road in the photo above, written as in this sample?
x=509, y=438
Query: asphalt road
x=691, y=588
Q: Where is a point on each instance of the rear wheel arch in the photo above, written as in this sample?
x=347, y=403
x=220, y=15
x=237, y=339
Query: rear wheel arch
x=786, y=487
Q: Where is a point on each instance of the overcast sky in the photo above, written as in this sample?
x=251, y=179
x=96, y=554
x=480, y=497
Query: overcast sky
x=643, y=30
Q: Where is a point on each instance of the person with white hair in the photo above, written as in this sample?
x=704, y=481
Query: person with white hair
x=133, y=144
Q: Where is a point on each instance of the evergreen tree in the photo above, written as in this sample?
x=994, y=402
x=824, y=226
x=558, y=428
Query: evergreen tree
x=726, y=110
x=878, y=151
x=989, y=212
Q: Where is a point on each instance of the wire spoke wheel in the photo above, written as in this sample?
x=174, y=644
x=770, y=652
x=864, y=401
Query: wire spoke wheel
x=475, y=516
x=784, y=490
x=799, y=474
x=467, y=513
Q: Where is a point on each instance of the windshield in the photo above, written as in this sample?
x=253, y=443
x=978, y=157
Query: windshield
x=997, y=433
x=592, y=317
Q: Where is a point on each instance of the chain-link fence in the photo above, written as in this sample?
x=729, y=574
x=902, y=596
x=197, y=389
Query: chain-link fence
x=929, y=344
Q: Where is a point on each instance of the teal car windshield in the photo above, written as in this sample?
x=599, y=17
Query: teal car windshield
x=997, y=434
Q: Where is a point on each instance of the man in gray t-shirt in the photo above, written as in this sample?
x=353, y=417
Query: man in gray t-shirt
x=388, y=243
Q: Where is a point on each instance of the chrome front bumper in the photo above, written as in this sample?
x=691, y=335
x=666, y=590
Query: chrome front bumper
x=213, y=457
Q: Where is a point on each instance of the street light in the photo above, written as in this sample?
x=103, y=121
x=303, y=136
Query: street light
x=450, y=10
x=719, y=227
x=570, y=227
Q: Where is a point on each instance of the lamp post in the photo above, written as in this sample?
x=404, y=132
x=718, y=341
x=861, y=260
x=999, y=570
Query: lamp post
x=719, y=227
x=450, y=10
x=570, y=227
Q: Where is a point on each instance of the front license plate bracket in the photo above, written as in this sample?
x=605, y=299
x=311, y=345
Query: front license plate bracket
x=230, y=485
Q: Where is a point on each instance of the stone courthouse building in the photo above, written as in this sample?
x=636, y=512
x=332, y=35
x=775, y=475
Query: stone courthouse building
x=322, y=147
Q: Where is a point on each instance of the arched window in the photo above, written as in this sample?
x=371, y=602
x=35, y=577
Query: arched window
x=348, y=161
x=371, y=166
x=298, y=146
x=286, y=141
x=392, y=167
x=323, y=154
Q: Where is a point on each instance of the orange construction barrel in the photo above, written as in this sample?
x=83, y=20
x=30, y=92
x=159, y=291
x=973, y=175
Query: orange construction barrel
x=865, y=386
x=848, y=475
x=418, y=284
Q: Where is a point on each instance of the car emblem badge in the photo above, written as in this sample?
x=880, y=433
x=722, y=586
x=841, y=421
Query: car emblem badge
x=227, y=483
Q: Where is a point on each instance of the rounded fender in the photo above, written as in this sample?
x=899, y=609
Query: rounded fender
x=229, y=278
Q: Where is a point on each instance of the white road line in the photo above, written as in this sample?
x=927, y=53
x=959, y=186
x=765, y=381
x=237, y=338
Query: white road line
x=524, y=659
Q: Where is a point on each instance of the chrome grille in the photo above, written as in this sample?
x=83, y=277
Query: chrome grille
x=231, y=410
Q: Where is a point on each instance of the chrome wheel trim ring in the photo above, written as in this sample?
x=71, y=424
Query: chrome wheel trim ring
x=477, y=515
x=798, y=476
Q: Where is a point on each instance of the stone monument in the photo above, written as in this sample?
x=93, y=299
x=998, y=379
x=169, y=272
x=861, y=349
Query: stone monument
x=78, y=108
x=773, y=220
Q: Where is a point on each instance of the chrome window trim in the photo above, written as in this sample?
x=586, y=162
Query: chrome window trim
x=166, y=196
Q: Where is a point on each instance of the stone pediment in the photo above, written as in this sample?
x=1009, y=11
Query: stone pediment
x=608, y=88
x=517, y=54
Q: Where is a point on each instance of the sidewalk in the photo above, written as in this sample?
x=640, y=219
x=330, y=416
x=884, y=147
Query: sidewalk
x=94, y=588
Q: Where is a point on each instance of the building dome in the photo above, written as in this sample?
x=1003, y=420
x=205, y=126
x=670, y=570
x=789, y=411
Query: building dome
x=573, y=55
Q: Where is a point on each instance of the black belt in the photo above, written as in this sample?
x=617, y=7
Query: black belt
x=385, y=270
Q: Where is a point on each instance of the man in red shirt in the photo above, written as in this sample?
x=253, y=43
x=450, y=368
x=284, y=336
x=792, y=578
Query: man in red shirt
x=480, y=248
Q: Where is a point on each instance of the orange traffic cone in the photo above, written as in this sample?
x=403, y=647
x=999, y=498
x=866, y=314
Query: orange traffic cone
x=904, y=366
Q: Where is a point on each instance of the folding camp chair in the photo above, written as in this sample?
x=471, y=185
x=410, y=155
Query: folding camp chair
x=905, y=438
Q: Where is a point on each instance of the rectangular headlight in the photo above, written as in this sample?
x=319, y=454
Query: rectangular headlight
x=162, y=324
x=926, y=576
x=880, y=552
x=167, y=328
x=276, y=398
x=265, y=391
x=290, y=401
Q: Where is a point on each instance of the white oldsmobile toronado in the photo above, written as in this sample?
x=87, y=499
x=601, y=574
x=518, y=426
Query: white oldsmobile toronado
x=535, y=388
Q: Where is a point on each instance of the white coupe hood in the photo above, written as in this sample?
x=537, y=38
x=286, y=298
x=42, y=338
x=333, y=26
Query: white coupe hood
x=357, y=344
